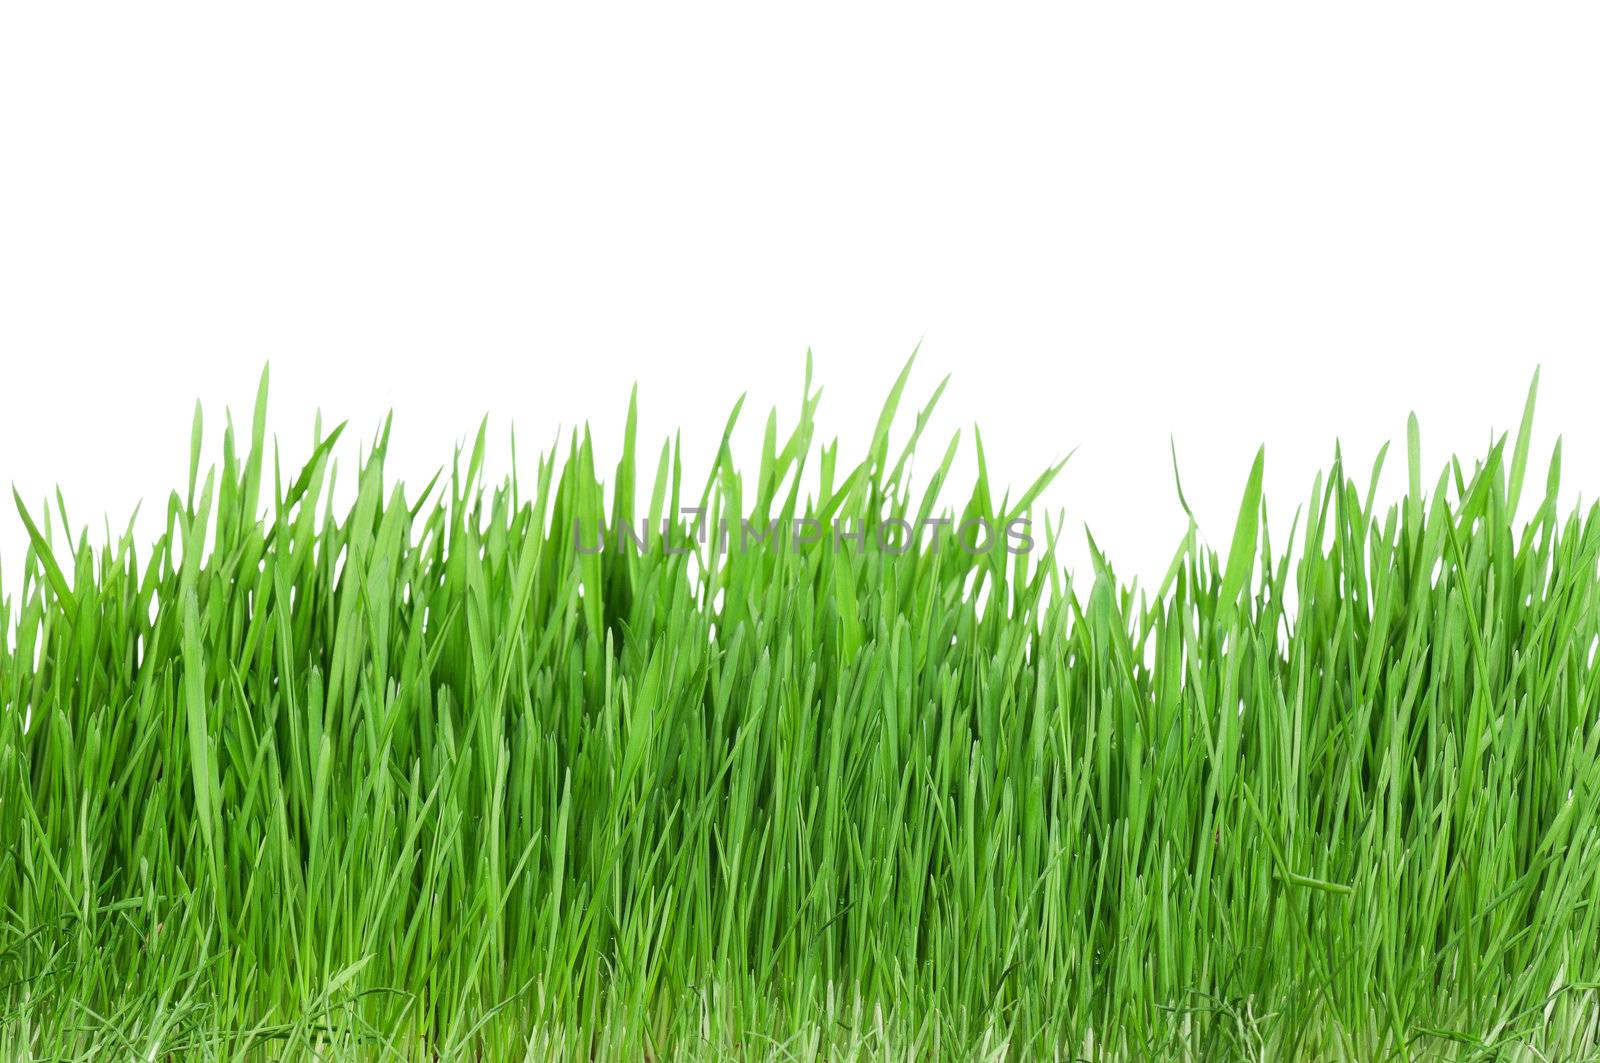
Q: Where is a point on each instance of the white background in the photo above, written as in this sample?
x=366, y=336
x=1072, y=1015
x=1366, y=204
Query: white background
x=1114, y=225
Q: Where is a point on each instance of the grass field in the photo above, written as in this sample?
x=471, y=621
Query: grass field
x=425, y=777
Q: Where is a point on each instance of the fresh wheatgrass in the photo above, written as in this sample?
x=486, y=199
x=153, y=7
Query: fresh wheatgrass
x=428, y=778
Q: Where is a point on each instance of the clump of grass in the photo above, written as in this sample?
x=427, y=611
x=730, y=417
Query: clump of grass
x=423, y=778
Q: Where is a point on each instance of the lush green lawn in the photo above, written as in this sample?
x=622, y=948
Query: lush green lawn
x=424, y=778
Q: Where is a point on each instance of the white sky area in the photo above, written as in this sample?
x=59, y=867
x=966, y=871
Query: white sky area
x=1215, y=225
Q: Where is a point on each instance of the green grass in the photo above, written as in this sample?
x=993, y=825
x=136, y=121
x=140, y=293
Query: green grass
x=418, y=779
